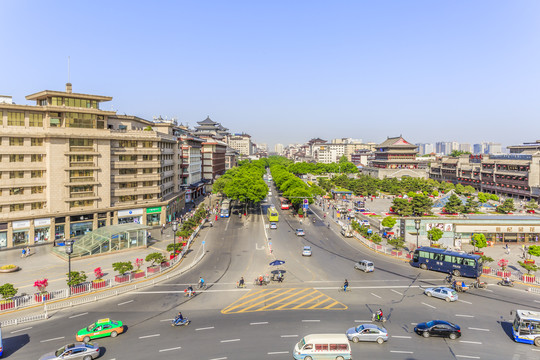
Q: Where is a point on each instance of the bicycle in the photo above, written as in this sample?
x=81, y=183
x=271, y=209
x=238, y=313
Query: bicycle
x=201, y=286
x=342, y=289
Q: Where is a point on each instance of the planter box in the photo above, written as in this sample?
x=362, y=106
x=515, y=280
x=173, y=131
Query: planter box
x=153, y=269
x=529, y=278
x=409, y=256
x=529, y=261
x=503, y=273
x=7, y=305
x=486, y=270
x=438, y=246
x=300, y=215
x=138, y=275
x=121, y=278
x=78, y=289
x=397, y=252
x=378, y=247
x=478, y=253
x=40, y=297
x=99, y=284
x=165, y=264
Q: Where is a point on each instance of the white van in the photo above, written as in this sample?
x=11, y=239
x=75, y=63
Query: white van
x=365, y=266
x=323, y=346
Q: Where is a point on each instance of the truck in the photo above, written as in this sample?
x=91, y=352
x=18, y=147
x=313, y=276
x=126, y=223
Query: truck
x=347, y=231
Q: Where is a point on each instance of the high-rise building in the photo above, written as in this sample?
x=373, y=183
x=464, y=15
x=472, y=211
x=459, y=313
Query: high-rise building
x=465, y=147
x=278, y=148
x=242, y=143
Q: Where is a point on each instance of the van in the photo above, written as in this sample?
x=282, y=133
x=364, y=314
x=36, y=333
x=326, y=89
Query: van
x=323, y=346
x=365, y=266
x=347, y=231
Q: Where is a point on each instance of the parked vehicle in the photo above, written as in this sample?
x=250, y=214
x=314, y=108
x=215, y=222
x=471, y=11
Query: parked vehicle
x=456, y=263
x=442, y=293
x=347, y=231
x=323, y=346
x=300, y=232
x=438, y=328
x=367, y=332
x=365, y=266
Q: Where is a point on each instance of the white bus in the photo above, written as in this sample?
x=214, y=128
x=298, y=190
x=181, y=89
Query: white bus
x=526, y=327
x=323, y=346
x=225, y=208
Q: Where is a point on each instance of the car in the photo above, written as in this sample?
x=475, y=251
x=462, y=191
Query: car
x=530, y=211
x=365, y=266
x=364, y=222
x=306, y=251
x=79, y=350
x=438, y=328
x=101, y=328
x=273, y=225
x=367, y=332
x=442, y=293
x=300, y=232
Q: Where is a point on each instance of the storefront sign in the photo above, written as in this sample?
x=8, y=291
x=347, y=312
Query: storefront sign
x=42, y=222
x=153, y=210
x=441, y=226
x=511, y=229
x=23, y=224
x=132, y=212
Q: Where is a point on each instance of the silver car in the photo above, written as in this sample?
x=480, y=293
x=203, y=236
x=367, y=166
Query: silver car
x=442, y=293
x=78, y=350
x=367, y=332
x=306, y=251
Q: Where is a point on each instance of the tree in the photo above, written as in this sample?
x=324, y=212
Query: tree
x=435, y=193
x=388, y=222
x=155, y=258
x=8, y=291
x=470, y=206
x=435, y=234
x=479, y=241
x=397, y=242
x=460, y=189
x=122, y=267
x=529, y=267
x=458, y=153
x=174, y=246
x=77, y=277
x=486, y=259
x=534, y=250
x=402, y=207
x=453, y=205
x=482, y=198
x=376, y=238
x=506, y=207
x=421, y=204
x=468, y=190
x=531, y=205
x=493, y=197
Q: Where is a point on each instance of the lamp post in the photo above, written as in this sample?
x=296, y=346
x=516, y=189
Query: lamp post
x=69, y=250
x=174, y=228
x=417, y=227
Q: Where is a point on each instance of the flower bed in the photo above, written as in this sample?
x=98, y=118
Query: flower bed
x=486, y=270
x=8, y=268
x=528, y=278
x=165, y=264
x=40, y=297
x=503, y=273
x=121, y=278
x=529, y=261
x=99, y=284
x=153, y=269
x=138, y=274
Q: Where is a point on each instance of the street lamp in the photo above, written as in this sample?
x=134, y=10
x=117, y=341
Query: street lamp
x=69, y=250
x=417, y=227
x=174, y=228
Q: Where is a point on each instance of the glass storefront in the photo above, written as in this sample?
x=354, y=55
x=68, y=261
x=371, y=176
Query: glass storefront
x=59, y=232
x=130, y=219
x=42, y=234
x=20, y=237
x=101, y=223
x=152, y=219
x=81, y=228
x=3, y=239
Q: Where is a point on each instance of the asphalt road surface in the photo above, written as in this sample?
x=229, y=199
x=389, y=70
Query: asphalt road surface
x=264, y=322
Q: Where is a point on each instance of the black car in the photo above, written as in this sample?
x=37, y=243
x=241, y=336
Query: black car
x=438, y=328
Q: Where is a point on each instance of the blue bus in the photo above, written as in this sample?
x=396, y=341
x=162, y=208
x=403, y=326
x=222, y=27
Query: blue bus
x=457, y=263
x=526, y=327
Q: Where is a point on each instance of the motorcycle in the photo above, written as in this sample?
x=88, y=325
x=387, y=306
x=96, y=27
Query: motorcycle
x=374, y=317
x=449, y=279
x=506, y=283
x=184, y=322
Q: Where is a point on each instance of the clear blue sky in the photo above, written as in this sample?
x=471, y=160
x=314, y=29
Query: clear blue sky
x=287, y=71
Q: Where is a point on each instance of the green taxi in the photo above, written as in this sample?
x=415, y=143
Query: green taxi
x=101, y=328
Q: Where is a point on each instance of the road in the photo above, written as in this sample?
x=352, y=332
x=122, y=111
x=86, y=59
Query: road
x=265, y=322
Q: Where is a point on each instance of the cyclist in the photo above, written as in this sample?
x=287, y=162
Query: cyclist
x=178, y=319
x=201, y=282
x=241, y=283
x=345, y=285
x=379, y=315
x=190, y=291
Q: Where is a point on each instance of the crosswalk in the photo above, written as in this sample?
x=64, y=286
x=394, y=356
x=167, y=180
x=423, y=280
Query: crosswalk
x=283, y=299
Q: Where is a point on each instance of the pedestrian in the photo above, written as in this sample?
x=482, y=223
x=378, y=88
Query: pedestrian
x=23, y=253
x=27, y=251
x=507, y=250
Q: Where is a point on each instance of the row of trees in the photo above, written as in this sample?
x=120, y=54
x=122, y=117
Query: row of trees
x=292, y=187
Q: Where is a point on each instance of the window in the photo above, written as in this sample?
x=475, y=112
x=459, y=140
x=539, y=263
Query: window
x=16, y=207
x=16, y=174
x=127, y=144
x=36, y=142
x=37, y=157
x=148, y=196
x=37, y=173
x=56, y=101
x=127, y=171
x=16, y=158
x=127, y=158
x=147, y=144
x=13, y=141
x=38, y=205
x=319, y=347
x=15, y=118
x=35, y=120
x=147, y=171
x=81, y=203
x=16, y=191
x=128, y=198
x=81, y=173
x=147, y=157
x=37, y=189
x=148, y=183
x=82, y=188
x=128, y=185
x=468, y=262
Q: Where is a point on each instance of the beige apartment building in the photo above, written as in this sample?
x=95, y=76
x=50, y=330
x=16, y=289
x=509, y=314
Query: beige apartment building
x=242, y=143
x=67, y=167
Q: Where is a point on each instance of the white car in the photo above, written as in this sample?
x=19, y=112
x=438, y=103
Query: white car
x=300, y=232
x=273, y=225
x=365, y=266
x=442, y=293
x=306, y=251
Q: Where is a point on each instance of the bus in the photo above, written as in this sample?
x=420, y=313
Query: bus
x=285, y=203
x=526, y=327
x=457, y=263
x=225, y=208
x=272, y=214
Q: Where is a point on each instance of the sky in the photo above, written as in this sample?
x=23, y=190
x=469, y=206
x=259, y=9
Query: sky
x=288, y=71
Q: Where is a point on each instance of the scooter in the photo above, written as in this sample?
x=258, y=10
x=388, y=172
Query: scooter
x=374, y=317
x=504, y=283
x=184, y=322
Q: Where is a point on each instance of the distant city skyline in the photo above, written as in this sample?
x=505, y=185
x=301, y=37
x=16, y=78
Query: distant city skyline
x=285, y=72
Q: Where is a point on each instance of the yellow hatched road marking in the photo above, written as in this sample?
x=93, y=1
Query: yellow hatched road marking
x=265, y=300
x=295, y=300
x=252, y=293
x=320, y=303
x=332, y=304
x=245, y=302
x=280, y=300
x=307, y=302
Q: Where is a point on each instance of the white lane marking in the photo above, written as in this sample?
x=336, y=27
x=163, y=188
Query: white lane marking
x=431, y=306
x=205, y=328
x=478, y=329
x=277, y=352
x=222, y=358
x=231, y=340
x=148, y=336
x=16, y=331
x=468, y=357
x=466, y=302
x=401, y=337
x=58, y=338
x=397, y=292
x=361, y=321
x=470, y=342
x=288, y=336
x=414, y=323
x=125, y=302
x=259, y=323
x=488, y=290
x=535, y=350
x=462, y=315
x=167, y=320
x=538, y=301
x=311, y=320
x=74, y=316
x=376, y=295
x=366, y=287
x=182, y=291
x=401, y=352
x=170, y=349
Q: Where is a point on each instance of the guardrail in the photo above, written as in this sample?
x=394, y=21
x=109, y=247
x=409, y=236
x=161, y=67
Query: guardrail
x=117, y=286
